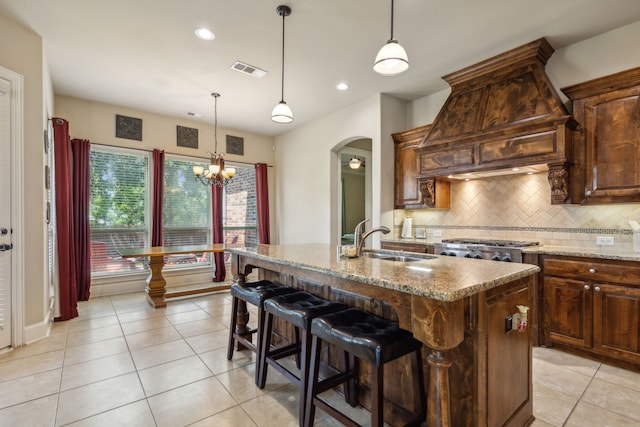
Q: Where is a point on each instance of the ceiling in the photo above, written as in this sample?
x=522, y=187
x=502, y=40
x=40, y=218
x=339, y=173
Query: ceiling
x=143, y=54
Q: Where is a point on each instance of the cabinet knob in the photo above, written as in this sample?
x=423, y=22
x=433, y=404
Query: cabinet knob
x=592, y=270
x=597, y=289
x=587, y=287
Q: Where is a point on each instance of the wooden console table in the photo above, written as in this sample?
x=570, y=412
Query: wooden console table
x=156, y=284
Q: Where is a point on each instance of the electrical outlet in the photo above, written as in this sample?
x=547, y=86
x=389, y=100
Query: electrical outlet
x=605, y=240
x=437, y=233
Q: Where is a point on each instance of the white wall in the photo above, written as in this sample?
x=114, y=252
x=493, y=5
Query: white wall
x=307, y=162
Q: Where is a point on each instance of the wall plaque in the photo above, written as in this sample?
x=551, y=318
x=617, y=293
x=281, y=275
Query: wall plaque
x=128, y=127
x=187, y=137
x=235, y=145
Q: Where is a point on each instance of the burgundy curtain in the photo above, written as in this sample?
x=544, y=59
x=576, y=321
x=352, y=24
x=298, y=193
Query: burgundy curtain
x=157, y=199
x=68, y=291
x=82, y=232
x=218, y=232
x=262, y=191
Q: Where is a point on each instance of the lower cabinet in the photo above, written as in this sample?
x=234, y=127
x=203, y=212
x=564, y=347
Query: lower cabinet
x=592, y=306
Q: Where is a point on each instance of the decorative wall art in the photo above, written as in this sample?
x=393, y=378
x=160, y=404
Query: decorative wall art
x=128, y=127
x=187, y=137
x=235, y=145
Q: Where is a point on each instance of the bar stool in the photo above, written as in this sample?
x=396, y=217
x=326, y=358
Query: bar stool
x=299, y=309
x=253, y=293
x=369, y=338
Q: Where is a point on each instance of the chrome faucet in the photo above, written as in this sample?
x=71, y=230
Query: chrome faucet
x=359, y=237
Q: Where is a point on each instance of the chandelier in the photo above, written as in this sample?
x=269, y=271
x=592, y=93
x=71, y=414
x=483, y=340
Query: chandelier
x=355, y=163
x=215, y=173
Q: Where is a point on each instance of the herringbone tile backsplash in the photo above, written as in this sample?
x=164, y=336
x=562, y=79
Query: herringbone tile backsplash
x=518, y=207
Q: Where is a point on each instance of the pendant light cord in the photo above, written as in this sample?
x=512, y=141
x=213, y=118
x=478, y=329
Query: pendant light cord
x=215, y=120
x=282, y=82
x=392, y=19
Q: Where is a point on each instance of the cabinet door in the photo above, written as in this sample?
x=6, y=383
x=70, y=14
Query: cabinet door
x=616, y=327
x=567, y=315
x=612, y=136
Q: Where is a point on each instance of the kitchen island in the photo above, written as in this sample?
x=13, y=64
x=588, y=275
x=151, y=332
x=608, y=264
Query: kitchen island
x=478, y=370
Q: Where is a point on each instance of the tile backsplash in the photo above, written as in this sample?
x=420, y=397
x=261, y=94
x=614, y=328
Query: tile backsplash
x=518, y=207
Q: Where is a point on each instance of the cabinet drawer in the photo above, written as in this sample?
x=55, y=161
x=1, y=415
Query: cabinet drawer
x=409, y=247
x=593, y=271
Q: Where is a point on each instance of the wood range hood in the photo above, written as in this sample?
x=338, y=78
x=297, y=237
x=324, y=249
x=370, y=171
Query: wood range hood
x=502, y=113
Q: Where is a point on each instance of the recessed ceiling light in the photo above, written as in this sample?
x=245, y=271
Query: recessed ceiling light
x=205, y=34
x=515, y=169
x=342, y=86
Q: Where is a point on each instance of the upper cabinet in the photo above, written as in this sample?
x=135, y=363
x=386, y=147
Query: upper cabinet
x=607, y=142
x=412, y=190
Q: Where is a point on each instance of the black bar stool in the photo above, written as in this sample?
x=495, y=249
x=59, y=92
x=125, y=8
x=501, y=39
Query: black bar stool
x=253, y=293
x=299, y=309
x=369, y=338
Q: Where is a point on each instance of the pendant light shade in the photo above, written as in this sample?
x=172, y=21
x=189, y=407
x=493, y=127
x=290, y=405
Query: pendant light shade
x=392, y=59
x=282, y=112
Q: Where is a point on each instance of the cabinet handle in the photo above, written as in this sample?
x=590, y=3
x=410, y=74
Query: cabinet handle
x=592, y=270
x=597, y=289
x=587, y=287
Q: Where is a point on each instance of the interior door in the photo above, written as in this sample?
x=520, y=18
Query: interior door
x=5, y=214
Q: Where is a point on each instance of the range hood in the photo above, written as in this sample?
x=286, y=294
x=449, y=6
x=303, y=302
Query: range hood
x=502, y=113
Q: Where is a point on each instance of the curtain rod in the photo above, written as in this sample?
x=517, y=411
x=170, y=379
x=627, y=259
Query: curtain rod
x=175, y=154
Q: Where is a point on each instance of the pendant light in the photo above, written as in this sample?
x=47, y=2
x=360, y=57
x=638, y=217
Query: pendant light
x=216, y=173
x=281, y=112
x=392, y=58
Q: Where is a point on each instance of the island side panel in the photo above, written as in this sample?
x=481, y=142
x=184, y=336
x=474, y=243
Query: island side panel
x=497, y=385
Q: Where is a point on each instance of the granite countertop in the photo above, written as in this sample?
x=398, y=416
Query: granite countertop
x=438, y=277
x=610, y=253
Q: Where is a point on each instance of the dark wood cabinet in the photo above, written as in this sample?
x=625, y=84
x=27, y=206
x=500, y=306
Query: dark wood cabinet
x=607, y=143
x=593, y=306
x=413, y=190
x=422, y=248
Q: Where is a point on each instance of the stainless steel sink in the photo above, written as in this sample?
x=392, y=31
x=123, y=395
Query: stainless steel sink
x=390, y=257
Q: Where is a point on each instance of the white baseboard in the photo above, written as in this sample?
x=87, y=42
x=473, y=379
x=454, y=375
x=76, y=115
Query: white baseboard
x=37, y=331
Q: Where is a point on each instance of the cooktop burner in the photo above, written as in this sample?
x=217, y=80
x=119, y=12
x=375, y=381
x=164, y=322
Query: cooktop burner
x=491, y=242
x=495, y=250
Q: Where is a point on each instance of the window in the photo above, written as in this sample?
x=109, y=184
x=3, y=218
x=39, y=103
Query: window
x=186, y=212
x=240, y=210
x=118, y=210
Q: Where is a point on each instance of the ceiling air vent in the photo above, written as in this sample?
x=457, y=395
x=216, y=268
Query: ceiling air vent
x=248, y=69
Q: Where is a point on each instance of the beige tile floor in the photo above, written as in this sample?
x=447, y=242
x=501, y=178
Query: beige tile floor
x=122, y=363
